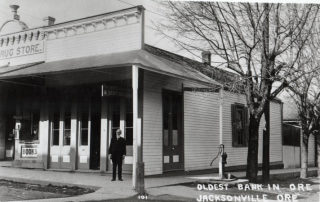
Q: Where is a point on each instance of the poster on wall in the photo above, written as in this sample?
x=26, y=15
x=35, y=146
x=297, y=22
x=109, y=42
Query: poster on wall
x=28, y=151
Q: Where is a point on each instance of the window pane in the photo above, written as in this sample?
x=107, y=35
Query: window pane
x=129, y=136
x=55, y=125
x=67, y=135
x=67, y=119
x=35, y=125
x=55, y=137
x=165, y=137
x=25, y=129
x=56, y=118
x=84, y=120
x=129, y=121
x=175, y=137
x=240, y=126
x=116, y=119
x=165, y=121
x=129, y=105
x=84, y=136
x=84, y=123
x=67, y=125
x=174, y=121
x=166, y=113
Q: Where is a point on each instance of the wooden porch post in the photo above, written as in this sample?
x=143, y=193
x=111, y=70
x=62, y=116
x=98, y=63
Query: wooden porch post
x=138, y=166
x=104, y=135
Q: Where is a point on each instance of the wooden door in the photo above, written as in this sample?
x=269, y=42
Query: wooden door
x=60, y=136
x=172, y=131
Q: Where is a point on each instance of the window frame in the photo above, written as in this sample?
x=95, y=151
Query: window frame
x=84, y=109
x=245, y=132
x=67, y=108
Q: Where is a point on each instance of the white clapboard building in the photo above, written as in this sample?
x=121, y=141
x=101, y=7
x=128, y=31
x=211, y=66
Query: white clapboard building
x=66, y=88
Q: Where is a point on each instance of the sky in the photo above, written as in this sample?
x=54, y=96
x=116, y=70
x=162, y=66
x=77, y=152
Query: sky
x=32, y=13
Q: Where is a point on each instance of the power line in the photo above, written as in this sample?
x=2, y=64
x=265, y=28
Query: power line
x=122, y=1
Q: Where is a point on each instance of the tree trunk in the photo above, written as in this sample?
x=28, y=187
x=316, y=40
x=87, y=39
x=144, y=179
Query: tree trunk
x=252, y=160
x=318, y=152
x=304, y=156
x=266, y=145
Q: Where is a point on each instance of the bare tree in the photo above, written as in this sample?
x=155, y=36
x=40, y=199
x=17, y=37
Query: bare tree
x=255, y=41
x=305, y=92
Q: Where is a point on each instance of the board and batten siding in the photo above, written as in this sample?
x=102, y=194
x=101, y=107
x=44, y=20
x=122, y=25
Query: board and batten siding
x=292, y=154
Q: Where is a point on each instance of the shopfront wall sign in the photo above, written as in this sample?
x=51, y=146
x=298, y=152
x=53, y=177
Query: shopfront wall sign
x=23, y=49
x=29, y=151
x=115, y=91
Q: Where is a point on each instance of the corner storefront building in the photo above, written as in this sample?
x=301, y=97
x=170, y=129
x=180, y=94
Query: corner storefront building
x=66, y=88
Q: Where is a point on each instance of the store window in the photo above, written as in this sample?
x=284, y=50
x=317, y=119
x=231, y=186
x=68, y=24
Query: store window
x=291, y=134
x=239, y=125
x=67, y=125
x=29, y=127
x=129, y=123
x=115, y=120
x=84, y=123
x=56, y=126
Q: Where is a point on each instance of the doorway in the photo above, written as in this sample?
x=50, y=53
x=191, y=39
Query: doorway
x=172, y=130
x=95, y=117
x=121, y=117
x=9, y=135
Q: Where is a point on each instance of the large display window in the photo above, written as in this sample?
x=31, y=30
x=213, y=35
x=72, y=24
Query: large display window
x=29, y=119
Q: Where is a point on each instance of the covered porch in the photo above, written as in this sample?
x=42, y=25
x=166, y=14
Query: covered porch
x=95, y=96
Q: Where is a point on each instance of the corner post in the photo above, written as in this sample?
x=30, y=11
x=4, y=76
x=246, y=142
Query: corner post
x=138, y=166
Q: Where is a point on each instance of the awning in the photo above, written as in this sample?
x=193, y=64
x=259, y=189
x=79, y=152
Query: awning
x=142, y=58
x=5, y=70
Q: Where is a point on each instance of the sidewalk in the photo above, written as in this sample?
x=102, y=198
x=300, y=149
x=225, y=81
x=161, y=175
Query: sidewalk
x=102, y=182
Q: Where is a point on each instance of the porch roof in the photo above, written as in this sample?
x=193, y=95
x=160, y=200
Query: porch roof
x=142, y=58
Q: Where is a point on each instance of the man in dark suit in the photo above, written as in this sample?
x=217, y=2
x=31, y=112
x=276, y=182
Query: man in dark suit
x=117, y=152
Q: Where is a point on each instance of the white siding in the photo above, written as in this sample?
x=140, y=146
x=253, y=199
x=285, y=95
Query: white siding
x=108, y=41
x=202, y=121
x=291, y=156
x=275, y=132
x=152, y=119
x=201, y=126
x=236, y=155
x=201, y=129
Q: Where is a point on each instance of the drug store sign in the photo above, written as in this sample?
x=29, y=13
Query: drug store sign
x=21, y=49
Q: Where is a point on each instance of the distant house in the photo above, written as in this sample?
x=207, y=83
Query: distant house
x=66, y=88
x=292, y=138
